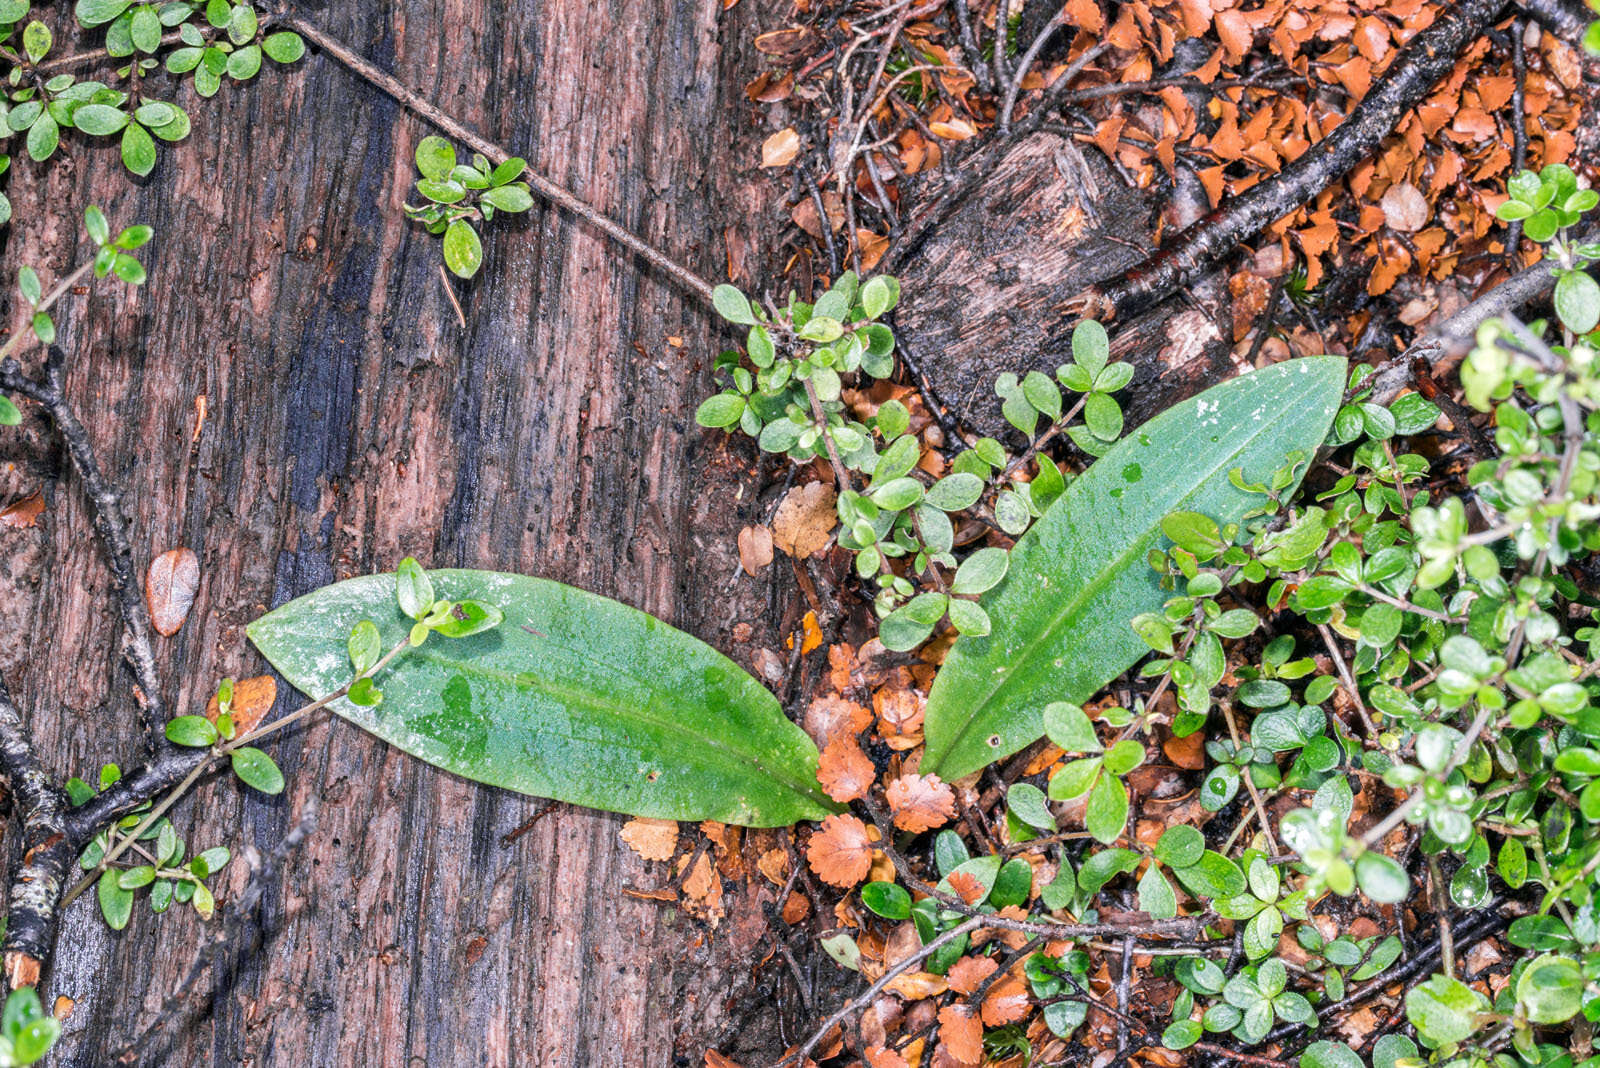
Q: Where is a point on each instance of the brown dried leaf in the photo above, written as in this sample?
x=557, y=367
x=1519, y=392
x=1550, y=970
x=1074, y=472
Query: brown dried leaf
x=805, y=519
x=921, y=802
x=796, y=908
x=252, y=699
x=23, y=513
x=840, y=851
x=169, y=589
x=830, y=716
x=844, y=770
x=755, y=549
x=953, y=130
x=1188, y=752
x=650, y=838
x=966, y=886
x=871, y=246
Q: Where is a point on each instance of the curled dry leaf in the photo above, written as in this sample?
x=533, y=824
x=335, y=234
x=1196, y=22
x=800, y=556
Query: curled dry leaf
x=961, y=1033
x=755, y=549
x=968, y=973
x=872, y=247
x=1007, y=1002
x=252, y=699
x=844, y=770
x=774, y=864
x=23, y=513
x=830, y=716
x=780, y=149
x=921, y=802
x=651, y=839
x=954, y=130
x=914, y=986
x=1405, y=208
x=702, y=886
x=840, y=852
x=805, y=519
x=169, y=589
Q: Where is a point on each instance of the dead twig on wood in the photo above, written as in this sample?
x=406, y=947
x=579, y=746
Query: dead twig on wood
x=1454, y=334
x=47, y=850
x=112, y=527
x=544, y=187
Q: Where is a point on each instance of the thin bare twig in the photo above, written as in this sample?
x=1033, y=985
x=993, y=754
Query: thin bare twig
x=544, y=187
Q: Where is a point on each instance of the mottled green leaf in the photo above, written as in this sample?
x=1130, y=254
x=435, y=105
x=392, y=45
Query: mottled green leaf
x=1078, y=577
x=574, y=697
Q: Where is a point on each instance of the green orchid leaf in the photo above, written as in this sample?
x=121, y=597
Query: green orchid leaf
x=574, y=697
x=1062, y=615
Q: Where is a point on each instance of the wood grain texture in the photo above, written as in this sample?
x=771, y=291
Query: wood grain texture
x=350, y=421
x=988, y=283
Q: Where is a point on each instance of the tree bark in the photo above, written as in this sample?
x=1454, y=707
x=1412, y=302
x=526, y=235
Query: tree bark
x=349, y=421
x=1050, y=218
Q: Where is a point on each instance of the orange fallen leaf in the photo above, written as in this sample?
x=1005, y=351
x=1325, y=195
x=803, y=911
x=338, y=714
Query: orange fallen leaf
x=703, y=886
x=844, y=770
x=966, y=886
x=252, y=699
x=1188, y=752
x=23, y=513
x=169, y=589
x=968, y=973
x=780, y=149
x=650, y=838
x=774, y=864
x=830, y=716
x=796, y=908
x=872, y=247
x=1086, y=15
x=805, y=519
x=884, y=1057
x=810, y=634
x=1233, y=30
x=961, y=1033
x=840, y=851
x=921, y=802
x=1007, y=1002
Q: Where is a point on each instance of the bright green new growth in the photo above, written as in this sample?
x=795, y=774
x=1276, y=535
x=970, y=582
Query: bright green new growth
x=26, y=1031
x=786, y=390
x=211, y=39
x=112, y=256
x=457, y=194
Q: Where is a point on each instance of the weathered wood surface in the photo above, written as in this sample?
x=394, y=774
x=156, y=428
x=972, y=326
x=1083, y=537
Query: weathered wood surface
x=350, y=421
x=1049, y=218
